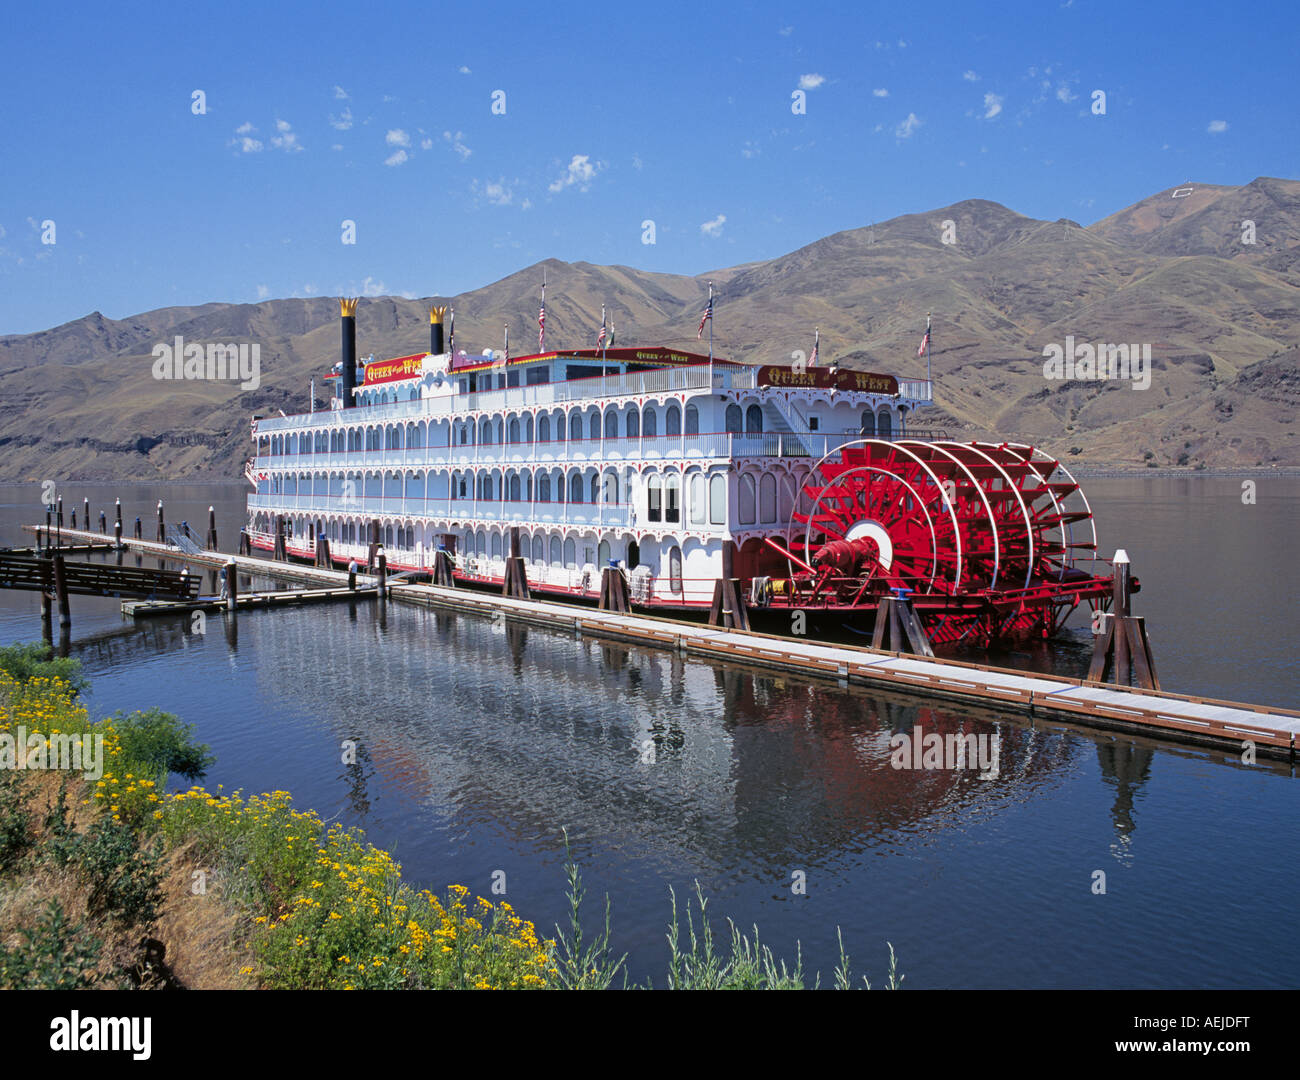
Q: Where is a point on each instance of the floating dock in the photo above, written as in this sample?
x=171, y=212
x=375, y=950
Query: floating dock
x=1204, y=721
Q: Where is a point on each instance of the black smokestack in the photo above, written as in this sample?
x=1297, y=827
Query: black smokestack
x=435, y=330
x=348, y=309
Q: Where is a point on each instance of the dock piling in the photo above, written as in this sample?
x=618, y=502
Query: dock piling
x=212, y=529
x=162, y=529
x=232, y=584
x=61, y=593
x=381, y=572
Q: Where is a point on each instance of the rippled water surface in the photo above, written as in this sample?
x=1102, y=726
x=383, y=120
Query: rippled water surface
x=480, y=742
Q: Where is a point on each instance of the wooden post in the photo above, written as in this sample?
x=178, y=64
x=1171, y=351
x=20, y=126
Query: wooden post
x=139, y=529
x=212, y=529
x=442, y=569
x=613, y=591
x=103, y=522
x=1120, y=609
x=72, y=524
x=280, y=552
x=117, y=504
x=58, y=524
x=232, y=584
x=516, y=577
x=381, y=569
x=61, y=593
x=47, y=529
x=117, y=534
x=47, y=619
x=162, y=528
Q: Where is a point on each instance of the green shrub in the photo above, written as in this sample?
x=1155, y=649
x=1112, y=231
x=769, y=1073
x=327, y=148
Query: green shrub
x=54, y=956
x=37, y=660
x=158, y=743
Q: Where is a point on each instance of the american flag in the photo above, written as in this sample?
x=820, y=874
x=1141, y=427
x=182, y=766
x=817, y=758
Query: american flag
x=817, y=339
x=708, y=314
x=541, y=328
x=925, y=342
x=600, y=339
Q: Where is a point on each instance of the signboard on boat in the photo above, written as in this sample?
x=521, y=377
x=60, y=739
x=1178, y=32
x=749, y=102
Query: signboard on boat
x=404, y=367
x=825, y=379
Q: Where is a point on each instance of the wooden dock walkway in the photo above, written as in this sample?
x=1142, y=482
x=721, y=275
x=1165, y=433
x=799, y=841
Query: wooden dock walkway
x=1205, y=721
x=140, y=609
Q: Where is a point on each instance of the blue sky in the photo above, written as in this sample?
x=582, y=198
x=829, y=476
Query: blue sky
x=676, y=113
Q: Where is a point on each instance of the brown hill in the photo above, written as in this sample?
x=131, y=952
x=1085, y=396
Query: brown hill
x=1172, y=272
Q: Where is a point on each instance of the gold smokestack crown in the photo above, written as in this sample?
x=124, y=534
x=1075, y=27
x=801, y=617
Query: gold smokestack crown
x=436, y=314
x=348, y=308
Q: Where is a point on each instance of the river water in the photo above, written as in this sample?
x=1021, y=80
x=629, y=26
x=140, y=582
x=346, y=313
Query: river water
x=480, y=743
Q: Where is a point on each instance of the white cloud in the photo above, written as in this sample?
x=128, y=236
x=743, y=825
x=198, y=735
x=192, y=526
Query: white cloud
x=1063, y=94
x=397, y=137
x=246, y=128
x=263, y=292
x=399, y=158
x=343, y=121
x=811, y=82
x=426, y=144
x=992, y=105
x=581, y=171
x=751, y=149
x=908, y=126
x=497, y=192
x=457, y=144
x=970, y=76
x=527, y=204
x=337, y=146
x=464, y=70
x=714, y=227
x=786, y=31
x=246, y=144
x=637, y=163
x=340, y=94
x=286, y=140
x=1217, y=127
x=371, y=287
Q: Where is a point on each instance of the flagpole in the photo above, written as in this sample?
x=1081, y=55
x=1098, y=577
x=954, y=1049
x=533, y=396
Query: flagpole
x=602, y=337
x=927, y=351
x=541, y=330
x=710, y=322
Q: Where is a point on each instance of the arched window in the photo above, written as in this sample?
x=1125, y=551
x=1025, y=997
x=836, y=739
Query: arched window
x=673, y=420
x=611, y=424
x=675, y=569
x=717, y=499
x=885, y=425
x=633, y=424
x=528, y=429
x=496, y=545
x=734, y=419
x=753, y=420
x=514, y=429
x=539, y=548
x=514, y=487
x=767, y=498
x=609, y=486
x=649, y=423
x=654, y=497
x=673, y=498
x=556, y=558
x=543, y=428
x=485, y=432
x=595, y=488
x=692, y=420
x=748, y=509
x=575, y=428
x=575, y=488
x=559, y=427
x=603, y=553
x=697, y=498
x=593, y=426
x=570, y=554
x=544, y=488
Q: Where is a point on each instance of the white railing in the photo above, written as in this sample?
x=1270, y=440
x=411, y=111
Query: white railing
x=632, y=384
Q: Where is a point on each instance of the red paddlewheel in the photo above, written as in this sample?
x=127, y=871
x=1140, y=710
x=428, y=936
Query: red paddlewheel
x=998, y=522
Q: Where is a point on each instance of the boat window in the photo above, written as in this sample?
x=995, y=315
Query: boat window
x=672, y=498
x=747, y=500
x=675, y=569
x=673, y=421
x=654, y=497
x=697, y=498
x=633, y=424
x=753, y=420
x=767, y=498
x=717, y=499
x=692, y=420
x=649, y=423
x=734, y=419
